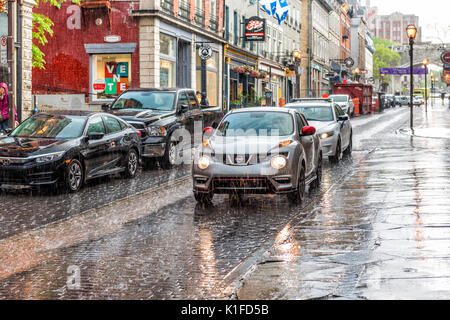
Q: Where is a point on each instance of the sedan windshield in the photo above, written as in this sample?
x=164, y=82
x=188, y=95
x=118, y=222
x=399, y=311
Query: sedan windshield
x=314, y=113
x=339, y=98
x=51, y=126
x=257, y=123
x=151, y=100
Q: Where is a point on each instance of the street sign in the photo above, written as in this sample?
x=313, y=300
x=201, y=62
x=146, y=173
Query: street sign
x=4, y=41
x=205, y=52
x=445, y=57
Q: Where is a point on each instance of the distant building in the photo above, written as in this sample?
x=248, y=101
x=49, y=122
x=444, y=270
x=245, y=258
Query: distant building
x=393, y=27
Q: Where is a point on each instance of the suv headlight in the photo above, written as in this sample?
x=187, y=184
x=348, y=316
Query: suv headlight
x=278, y=162
x=49, y=157
x=326, y=135
x=156, y=131
x=203, y=162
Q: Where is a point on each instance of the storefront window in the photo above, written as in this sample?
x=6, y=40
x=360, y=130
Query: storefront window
x=167, y=45
x=167, y=74
x=110, y=74
x=212, y=78
x=167, y=65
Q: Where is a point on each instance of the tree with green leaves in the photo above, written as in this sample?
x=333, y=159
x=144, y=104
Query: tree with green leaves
x=43, y=26
x=384, y=57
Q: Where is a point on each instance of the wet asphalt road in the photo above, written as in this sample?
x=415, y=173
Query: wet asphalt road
x=147, y=239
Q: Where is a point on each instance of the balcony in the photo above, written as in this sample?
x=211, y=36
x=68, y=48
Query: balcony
x=199, y=17
x=213, y=24
x=167, y=6
x=184, y=10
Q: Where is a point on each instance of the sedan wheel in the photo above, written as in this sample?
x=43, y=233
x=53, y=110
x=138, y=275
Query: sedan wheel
x=348, y=151
x=316, y=183
x=297, y=196
x=131, y=164
x=74, y=176
x=337, y=157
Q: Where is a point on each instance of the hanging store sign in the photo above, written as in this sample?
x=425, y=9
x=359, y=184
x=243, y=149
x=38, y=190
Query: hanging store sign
x=255, y=29
x=205, y=52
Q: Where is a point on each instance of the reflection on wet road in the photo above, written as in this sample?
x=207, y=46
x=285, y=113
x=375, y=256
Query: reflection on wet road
x=161, y=245
x=381, y=234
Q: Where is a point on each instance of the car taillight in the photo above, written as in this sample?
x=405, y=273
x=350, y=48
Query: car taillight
x=139, y=133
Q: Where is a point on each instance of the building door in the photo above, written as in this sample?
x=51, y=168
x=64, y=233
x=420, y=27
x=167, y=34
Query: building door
x=184, y=64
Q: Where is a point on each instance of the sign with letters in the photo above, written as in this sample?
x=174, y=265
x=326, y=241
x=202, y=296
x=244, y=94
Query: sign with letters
x=255, y=29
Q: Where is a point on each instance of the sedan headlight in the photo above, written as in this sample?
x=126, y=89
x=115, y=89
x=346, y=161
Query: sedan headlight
x=326, y=135
x=278, y=162
x=49, y=157
x=203, y=162
x=156, y=131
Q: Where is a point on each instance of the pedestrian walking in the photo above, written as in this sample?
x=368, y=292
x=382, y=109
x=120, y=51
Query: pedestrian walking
x=4, y=107
x=204, y=101
x=443, y=97
x=199, y=96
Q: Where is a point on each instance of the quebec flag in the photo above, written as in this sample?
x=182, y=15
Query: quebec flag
x=278, y=8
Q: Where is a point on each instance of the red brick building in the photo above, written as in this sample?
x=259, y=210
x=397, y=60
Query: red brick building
x=93, y=55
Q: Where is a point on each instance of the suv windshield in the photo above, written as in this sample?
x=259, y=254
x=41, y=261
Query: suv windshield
x=150, y=100
x=256, y=123
x=339, y=98
x=51, y=126
x=315, y=113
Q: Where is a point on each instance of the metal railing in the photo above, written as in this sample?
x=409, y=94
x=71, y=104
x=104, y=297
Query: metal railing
x=213, y=23
x=167, y=6
x=200, y=17
x=184, y=10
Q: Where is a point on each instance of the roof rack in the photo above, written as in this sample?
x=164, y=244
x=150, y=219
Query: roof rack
x=311, y=99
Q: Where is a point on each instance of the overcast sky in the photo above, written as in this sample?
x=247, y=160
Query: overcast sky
x=434, y=15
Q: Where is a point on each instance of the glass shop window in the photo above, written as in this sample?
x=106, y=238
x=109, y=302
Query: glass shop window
x=110, y=75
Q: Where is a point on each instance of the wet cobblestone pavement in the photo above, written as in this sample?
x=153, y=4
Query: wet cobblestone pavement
x=381, y=234
x=147, y=239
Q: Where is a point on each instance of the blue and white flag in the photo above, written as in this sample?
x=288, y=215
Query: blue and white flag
x=281, y=11
x=277, y=8
x=269, y=6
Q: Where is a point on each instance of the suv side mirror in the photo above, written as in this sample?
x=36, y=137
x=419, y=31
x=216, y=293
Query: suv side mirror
x=8, y=131
x=308, y=131
x=343, y=118
x=105, y=107
x=183, y=108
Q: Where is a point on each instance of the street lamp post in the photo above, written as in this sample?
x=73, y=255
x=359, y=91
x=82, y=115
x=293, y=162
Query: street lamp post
x=411, y=32
x=432, y=88
x=425, y=63
x=297, y=54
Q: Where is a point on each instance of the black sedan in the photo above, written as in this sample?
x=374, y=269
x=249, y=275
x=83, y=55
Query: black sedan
x=68, y=148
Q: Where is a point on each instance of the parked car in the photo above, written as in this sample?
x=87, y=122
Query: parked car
x=332, y=124
x=262, y=150
x=345, y=102
x=389, y=101
x=397, y=101
x=404, y=100
x=157, y=114
x=418, y=100
x=68, y=148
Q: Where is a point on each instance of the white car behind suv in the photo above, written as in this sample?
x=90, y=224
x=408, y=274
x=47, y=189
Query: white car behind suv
x=345, y=102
